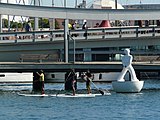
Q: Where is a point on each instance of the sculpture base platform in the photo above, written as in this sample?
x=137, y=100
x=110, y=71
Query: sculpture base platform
x=127, y=86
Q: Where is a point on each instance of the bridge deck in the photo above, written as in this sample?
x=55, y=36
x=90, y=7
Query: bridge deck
x=78, y=66
x=78, y=13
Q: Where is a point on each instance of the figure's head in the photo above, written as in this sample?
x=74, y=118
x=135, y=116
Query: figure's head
x=84, y=21
x=127, y=51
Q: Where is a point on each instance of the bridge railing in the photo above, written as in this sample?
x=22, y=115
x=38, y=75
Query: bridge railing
x=117, y=32
x=90, y=33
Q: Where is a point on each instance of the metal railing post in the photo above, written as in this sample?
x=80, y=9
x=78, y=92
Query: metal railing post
x=85, y=34
x=51, y=36
x=153, y=31
x=103, y=36
x=33, y=35
x=16, y=38
x=120, y=33
x=136, y=31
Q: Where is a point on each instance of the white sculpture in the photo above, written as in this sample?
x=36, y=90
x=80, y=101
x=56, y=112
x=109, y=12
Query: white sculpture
x=127, y=66
x=127, y=86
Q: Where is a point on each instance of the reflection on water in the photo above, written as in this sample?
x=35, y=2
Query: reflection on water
x=15, y=86
x=148, y=85
x=118, y=106
x=152, y=84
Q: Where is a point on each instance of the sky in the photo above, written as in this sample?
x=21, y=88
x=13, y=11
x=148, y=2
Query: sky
x=71, y=3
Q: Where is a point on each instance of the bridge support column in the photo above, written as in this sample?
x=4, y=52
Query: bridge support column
x=36, y=3
x=52, y=20
x=0, y=23
x=66, y=48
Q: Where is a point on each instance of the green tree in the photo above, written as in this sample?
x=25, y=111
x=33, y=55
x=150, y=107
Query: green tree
x=44, y=23
x=5, y=23
x=56, y=25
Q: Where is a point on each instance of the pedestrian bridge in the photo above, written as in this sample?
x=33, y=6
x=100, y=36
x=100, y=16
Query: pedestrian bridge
x=13, y=44
x=95, y=37
x=78, y=13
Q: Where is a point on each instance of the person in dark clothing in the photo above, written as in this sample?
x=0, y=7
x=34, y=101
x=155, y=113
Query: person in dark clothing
x=70, y=81
x=28, y=26
x=84, y=27
x=74, y=27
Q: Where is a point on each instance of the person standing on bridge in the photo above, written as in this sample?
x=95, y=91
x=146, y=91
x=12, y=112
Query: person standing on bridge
x=84, y=27
x=28, y=26
x=41, y=79
x=74, y=27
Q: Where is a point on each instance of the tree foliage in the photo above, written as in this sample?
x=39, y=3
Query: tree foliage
x=43, y=23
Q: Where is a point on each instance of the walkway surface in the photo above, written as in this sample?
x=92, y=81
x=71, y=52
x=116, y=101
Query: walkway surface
x=78, y=66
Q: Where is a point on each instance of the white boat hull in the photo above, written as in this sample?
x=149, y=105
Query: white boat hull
x=16, y=77
x=59, y=77
x=55, y=77
x=127, y=86
x=108, y=77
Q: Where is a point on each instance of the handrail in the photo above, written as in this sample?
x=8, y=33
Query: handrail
x=92, y=33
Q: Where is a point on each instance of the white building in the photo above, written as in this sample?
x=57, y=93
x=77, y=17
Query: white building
x=103, y=4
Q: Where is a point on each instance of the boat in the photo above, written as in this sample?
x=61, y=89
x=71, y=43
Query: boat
x=24, y=77
x=127, y=86
x=59, y=77
x=107, y=76
x=55, y=77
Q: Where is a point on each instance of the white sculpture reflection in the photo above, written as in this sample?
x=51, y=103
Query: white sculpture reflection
x=127, y=66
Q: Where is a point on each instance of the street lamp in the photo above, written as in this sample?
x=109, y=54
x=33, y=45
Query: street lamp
x=75, y=3
x=116, y=22
x=52, y=3
x=74, y=47
x=65, y=3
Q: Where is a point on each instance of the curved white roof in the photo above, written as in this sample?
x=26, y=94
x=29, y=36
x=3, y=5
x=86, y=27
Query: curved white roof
x=107, y=4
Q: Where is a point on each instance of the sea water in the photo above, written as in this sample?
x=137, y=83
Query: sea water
x=117, y=106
